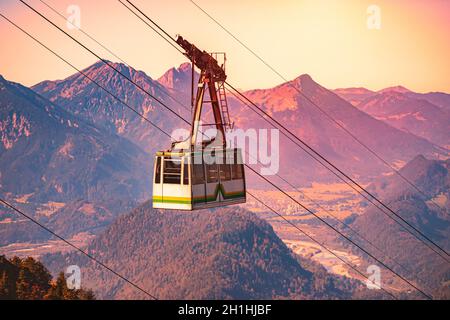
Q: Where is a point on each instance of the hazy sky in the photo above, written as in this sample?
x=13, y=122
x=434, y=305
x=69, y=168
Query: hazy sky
x=328, y=39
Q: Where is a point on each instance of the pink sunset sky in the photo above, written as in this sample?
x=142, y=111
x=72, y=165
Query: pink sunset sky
x=328, y=39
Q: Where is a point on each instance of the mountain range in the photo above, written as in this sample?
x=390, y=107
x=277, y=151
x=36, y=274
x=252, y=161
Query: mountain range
x=288, y=104
x=50, y=152
x=424, y=115
x=357, y=95
x=312, y=123
x=285, y=102
x=83, y=98
x=51, y=157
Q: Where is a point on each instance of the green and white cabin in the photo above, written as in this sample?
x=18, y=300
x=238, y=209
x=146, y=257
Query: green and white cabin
x=185, y=181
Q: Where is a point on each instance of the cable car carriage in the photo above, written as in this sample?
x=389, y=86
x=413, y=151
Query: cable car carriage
x=192, y=175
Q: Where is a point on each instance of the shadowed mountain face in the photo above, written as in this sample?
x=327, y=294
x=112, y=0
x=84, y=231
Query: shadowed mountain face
x=210, y=254
x=433, y=178
x=440, y=99
x=83, y=98
x=50, y=157
x=54, y=155
x=430, y=176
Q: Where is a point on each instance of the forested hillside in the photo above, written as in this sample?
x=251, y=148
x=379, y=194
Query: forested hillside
x=211, y=254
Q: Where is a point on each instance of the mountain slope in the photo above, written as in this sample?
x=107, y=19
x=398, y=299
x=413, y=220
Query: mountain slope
x=85, y=99
x=440, y=99
x=179, y=79
x=50, y=158
x=54, y=155
x=433, y=177
x=357, y=95
x=354, y=95
x=90, y=217
x=209, y=254
x=409, y=114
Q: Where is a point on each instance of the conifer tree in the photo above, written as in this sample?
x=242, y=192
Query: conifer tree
x=23, y=285
x=5, y=287
x=28, y=279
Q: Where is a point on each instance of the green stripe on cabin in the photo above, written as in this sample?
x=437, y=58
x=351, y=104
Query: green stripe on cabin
x=177, y=200
x=209, y=198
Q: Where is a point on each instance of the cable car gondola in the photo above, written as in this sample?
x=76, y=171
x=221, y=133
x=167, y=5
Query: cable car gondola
x=192, y=175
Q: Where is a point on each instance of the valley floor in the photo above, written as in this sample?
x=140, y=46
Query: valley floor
x=331, y=201
x=35, y=250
